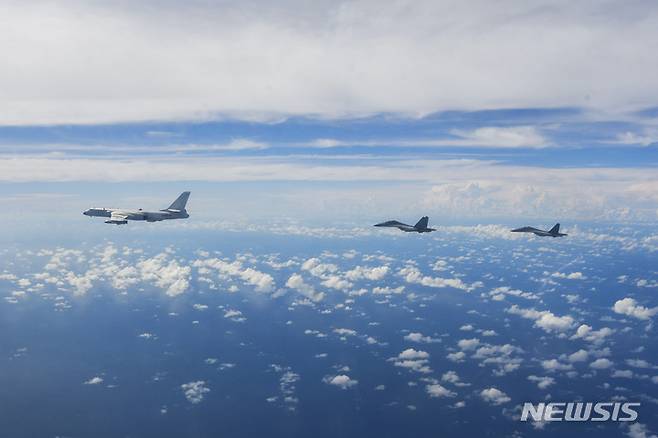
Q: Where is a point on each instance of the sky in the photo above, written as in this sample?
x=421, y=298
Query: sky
x=276, y=307
x=333, y=111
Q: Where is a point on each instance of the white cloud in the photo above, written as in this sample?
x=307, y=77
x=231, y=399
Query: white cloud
x=370, y=273
x=436, y=390
x=545, y=320
x=386, y=290
x=458, y=356
x=595, y=336
x=629, y=307
x=420, y=338
x=94, y=381
x=414, y=360
x=166, y=274
x=622, y=374
x=195, y=391
x=452, y=377
x=639, y=430
x=601, y=364
x=542, y=382
x=261, y=281
x=502, y=137
x=336, y=282
x=494, y=396
x=342, y=381
x=412, y=274
x=638, y=363
x=501, y=356
x=468, y=344
x=296, y=282
x=410, y=353
x=354, y=57
x=555, y=365
x=570, y=276
x=234, y=315
x=499, y=293
x=578, y=356
x=345, y=332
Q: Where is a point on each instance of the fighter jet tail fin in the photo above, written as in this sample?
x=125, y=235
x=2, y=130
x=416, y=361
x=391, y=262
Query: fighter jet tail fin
x=555, y=229
x=422, y=223
x=180, y=202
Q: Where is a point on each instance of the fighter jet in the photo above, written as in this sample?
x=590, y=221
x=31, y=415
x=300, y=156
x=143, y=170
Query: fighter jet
x=121, y=217
x=553, y=232
x=420, y=227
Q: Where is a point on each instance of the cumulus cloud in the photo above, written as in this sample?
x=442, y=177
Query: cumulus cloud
x=629, y=307
x=503, y=357
x=436, y=390
x=542, y=382
x=499, y=293
x=261, y=281
x=345, y=332
x=342, y=381
x=412, y=274
x=166, y=274
x=94, y=381
x=601, y=364
x=195, y=391
x=386, y=290
x=468, y=344
x=369, y=273
x=234, y=315
x=570, y=276
x=578, y=356
x=545, y=320
x=555, y=365
x=414, y=360
x=420, y=338
x=585, y=332
x=297, y=283
x=494, y=396
x=639, y=430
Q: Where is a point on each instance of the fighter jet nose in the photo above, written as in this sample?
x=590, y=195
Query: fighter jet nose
x=379, y=225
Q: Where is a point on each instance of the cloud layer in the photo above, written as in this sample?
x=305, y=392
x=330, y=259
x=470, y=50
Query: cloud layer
x=94, y=62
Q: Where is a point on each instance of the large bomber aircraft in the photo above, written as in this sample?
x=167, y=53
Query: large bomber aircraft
x=121, y=217
x=553, y=232
x=420, y=227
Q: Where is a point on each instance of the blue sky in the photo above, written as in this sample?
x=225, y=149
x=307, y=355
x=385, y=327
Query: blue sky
x=503, y=165
x=536, y=111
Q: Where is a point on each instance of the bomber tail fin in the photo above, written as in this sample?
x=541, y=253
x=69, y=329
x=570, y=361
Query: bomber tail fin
x=555, y=229
x=422, y=223
x=180, y=202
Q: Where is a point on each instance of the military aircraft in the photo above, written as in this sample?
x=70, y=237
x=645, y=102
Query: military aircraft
x=420, y=227
x=121, y=217
x=553, y=232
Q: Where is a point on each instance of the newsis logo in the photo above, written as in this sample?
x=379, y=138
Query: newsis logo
x=580, y=411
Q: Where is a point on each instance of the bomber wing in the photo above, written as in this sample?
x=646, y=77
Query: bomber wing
x=117, y=218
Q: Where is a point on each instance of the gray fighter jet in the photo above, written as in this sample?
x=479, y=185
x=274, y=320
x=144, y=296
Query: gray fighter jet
x=420, y=227
x=121, y=217
x=553, y=232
